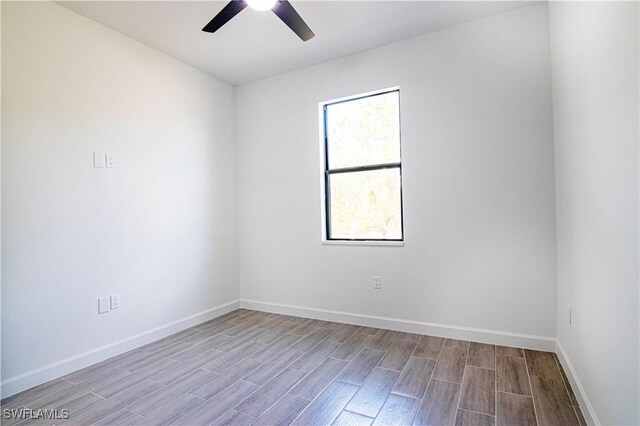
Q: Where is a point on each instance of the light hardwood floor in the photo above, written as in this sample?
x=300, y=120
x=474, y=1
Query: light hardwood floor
x=250, y=367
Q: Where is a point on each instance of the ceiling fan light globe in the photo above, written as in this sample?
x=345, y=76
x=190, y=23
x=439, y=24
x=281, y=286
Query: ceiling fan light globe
x=261, y=4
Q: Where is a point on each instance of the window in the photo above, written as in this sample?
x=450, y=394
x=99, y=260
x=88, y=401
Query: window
x=363, y=168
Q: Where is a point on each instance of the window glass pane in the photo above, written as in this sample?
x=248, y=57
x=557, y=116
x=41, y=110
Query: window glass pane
x=366, y=205
x=364, y=131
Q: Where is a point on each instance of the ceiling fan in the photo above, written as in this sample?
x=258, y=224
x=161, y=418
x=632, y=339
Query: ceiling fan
x=282, y=8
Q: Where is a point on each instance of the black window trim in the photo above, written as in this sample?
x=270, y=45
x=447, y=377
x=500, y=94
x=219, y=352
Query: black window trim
x=328, y=172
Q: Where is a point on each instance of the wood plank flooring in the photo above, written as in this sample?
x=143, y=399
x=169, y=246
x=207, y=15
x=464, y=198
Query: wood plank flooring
x=249, y=367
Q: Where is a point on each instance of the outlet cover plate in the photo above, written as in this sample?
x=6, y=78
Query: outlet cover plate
x=377, y=282
x=103, y=305
x=115, y=301
x=110, y=161
x=99, y=160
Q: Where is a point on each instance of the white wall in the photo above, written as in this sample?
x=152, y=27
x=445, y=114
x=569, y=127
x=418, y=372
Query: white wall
x=595, y=100
x=0, y=201
x=160, y=229
x=477, y=182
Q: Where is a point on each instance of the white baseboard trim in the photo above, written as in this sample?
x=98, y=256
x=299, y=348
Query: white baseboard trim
x=60, y=368
x=576, y=385
x=441, y=330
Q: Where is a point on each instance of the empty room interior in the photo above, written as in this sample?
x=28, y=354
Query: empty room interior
x=263, y=212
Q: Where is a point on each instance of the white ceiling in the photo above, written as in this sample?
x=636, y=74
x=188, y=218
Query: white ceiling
x=256, y=45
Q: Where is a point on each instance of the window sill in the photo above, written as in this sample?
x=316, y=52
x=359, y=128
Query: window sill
x=363, y=243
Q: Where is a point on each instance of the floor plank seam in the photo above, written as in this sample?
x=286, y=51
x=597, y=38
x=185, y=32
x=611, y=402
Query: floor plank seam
x=377, y=366
x=283, y=395
x=567, y=386
x=319, y=393
x=433, y=370
x=535, y=410
x=475, y=412
x=516, y=394
x=495, y=392
x=334, y=378
x=462, y=384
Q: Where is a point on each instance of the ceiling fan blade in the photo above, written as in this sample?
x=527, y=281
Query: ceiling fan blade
x=290, y=17
x=229, y=11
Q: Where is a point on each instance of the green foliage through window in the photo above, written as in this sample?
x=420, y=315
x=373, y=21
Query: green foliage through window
x=363, y=168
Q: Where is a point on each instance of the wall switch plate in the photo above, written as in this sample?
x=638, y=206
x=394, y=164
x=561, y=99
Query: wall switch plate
x=99, y=160
x=110, y=160
x=115, y=301
x=103, y=305
x=569, y=314
x=377, y=282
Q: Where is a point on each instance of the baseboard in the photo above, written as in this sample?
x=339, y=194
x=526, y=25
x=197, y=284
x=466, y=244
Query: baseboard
x=576, y=385
x=52, y=371
x=441, y=330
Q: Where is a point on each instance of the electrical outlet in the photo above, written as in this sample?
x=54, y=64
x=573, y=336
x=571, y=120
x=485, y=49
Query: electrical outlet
x=115, y=301
x=103, y=305
x=377, y=282
x=569, y=314
x=111, y=161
